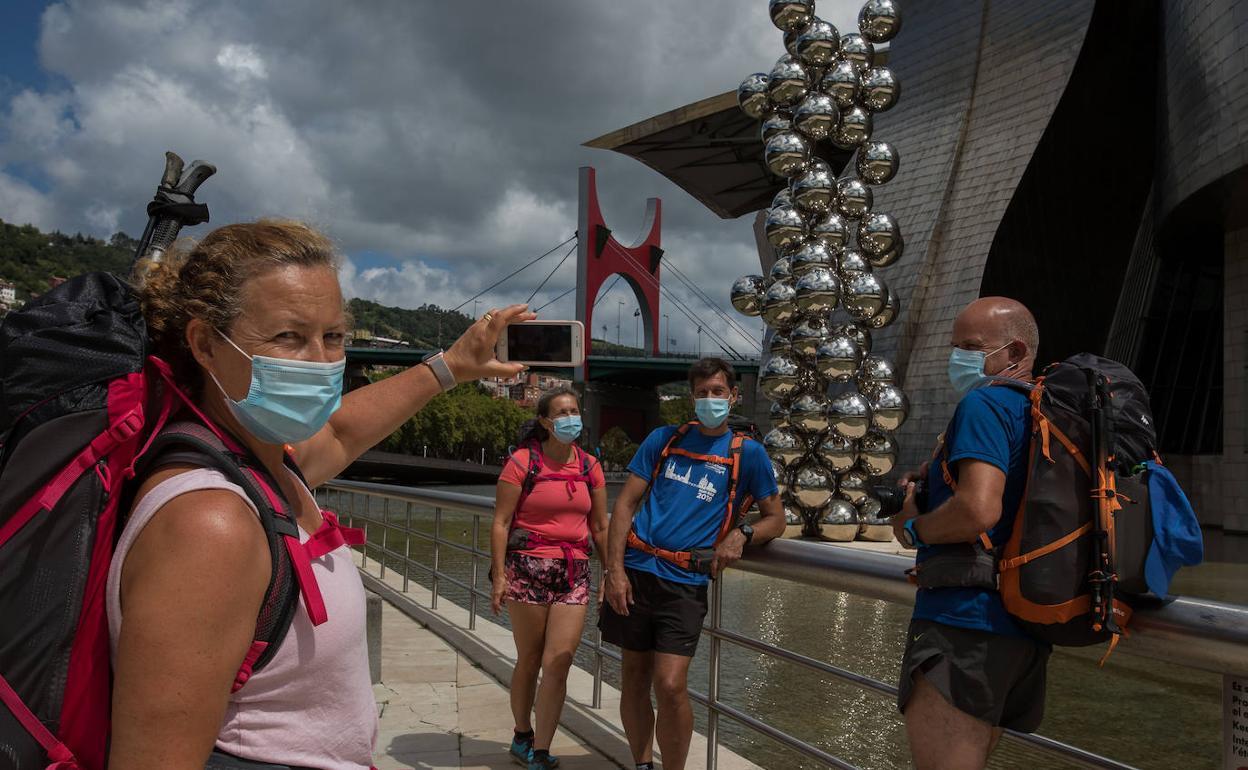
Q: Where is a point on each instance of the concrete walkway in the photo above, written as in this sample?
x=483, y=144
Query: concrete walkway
x=438, y=710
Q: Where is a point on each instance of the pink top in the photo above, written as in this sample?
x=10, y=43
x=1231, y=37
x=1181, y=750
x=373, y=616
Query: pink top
x=553, y=511
x=312, y=705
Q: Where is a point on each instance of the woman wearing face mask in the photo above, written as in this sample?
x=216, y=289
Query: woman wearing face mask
x=551, y=501
x=252, y=324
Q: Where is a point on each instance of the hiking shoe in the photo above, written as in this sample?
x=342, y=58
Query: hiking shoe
x=542, y=760
x=522, y=748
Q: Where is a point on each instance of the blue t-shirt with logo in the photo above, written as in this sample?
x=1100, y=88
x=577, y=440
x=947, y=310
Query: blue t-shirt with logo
x=992, y=424
x=686, y=506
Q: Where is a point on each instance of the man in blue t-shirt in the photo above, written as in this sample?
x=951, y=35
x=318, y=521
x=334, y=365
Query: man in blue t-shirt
x=660, y=558
x=968, y=671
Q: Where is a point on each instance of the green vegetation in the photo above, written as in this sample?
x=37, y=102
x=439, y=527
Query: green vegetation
x=617, y=449
x=28, y=257
x=427, y=326
x=458, y=424
x=604, y=348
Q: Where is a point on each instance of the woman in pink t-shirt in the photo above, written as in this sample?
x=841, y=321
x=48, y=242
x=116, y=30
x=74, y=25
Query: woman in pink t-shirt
x=551, y=501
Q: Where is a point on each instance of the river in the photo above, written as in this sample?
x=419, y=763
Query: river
x=1144, y=712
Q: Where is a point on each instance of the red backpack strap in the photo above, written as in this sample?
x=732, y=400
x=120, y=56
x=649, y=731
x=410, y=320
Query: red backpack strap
x=734, y=454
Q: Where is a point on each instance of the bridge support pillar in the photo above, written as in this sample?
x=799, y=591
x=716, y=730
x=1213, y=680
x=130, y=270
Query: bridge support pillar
x=605, y=406
x=758, y=410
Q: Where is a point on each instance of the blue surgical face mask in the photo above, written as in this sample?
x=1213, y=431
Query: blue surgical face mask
x=567, y=428
x=288, y=401
x=711, y=412
x=966, y=367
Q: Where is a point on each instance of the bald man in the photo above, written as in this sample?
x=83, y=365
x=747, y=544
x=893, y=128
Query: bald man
x=968, y=671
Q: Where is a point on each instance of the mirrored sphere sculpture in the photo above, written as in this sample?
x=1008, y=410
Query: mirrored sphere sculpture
x=785, y=227
x=838, y=358
x=783, y=198
x=839, y=521
x=858, y=50
x=849, y=262
x=809, y=413
x=818, y=291
x=812, y=485
x=778, y=377
x=818, y=44
x=816, y=116
x=853, y=486
x=877, y=452
x=878, y=233
x=854, y=198
x=781, y=269
x=877, y=162
x=863, y=295
x=791, y=15
x=843, y=83
x=875, y=371
x=879, y=21
x=889, y=314
x=784, y=445
x=779, y=303
x=880, y=89
x=747, y=294
x=854, y=128
x=780, y=345
x=779, y=415
x=814, y=191
x=776, y=123
x=870, y=526
x=850, y=415
x=788, y=82
x=890, y=407
x=810, y=255
x=858, y=334
x=832, y=230
x=838, y=452
x=752, y=95
x=786, y=153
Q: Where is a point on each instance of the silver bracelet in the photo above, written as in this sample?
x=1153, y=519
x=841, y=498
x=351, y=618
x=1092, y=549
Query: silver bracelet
x=437, y=365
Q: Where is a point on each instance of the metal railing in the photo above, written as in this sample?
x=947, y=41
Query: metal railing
x=1208, y=635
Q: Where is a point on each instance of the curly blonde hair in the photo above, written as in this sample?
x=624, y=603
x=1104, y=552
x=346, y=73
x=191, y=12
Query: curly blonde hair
x=206, y=279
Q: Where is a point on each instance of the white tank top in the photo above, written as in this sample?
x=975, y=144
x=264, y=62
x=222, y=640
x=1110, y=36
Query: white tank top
x=312, y=705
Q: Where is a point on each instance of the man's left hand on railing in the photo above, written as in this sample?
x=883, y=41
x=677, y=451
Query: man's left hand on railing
x=727, y=552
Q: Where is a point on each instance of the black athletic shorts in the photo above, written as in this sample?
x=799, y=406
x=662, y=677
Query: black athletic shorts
x=666, y=616
x=996, y=679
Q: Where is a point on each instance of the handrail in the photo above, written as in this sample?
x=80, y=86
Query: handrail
x=1199, y=633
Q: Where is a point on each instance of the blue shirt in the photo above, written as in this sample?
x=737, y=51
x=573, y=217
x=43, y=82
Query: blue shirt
x=686, y=506
x=992, y=424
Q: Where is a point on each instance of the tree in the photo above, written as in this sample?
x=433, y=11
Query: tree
x=617, y=448
x=460, y=423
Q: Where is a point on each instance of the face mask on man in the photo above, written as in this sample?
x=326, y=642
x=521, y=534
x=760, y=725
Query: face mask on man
x=966, y=367
x=288, y=400
x=711, y=412
x=567, y=428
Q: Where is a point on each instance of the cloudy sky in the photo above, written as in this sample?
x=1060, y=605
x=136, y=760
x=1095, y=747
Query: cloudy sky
x=437, y=142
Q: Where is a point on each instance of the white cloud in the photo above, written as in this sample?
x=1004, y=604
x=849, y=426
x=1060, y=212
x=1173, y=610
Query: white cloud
x=424, y=136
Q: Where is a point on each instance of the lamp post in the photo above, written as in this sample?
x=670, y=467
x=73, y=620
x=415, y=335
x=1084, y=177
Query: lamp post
x=636, y=328
x=619, y=307
x=668, y=344
x=699, y=342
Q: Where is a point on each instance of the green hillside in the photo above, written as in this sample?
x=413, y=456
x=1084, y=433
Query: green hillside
x=29, y=257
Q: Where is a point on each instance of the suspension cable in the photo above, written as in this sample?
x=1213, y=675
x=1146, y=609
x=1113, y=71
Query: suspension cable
x=515, y=272
x=551, y=273
x=727, y=318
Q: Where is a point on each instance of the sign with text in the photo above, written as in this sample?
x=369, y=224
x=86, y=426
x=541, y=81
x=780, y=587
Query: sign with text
x=1235, y=721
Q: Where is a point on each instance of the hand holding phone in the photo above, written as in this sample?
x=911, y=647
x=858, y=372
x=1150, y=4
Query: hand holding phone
x=543, y=343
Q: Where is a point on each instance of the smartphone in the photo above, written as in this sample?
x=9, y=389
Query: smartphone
x=543, y=343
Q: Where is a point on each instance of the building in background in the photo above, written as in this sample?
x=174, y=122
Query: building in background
x=1088, y=159
x=8, y=295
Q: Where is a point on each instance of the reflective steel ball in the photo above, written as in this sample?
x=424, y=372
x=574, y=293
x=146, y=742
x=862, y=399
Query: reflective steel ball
x=879, y=20
x=785, y=227
x=854, y=199
x=843, y=83
x=877, y=452
x=858, y=50
x=863, y=295
x=752, y=95
x=850, y=415
x=890, y=407
x=806, y=336
x=878, y=234
x=858, y=334
x=788, y=82
x=890, y=256
x=781, y=474
x=813, y=486
x=870, y=526
x=784, y=445
x=818, y=44
x=838, y=453
x=783, y=198
x=875, y=371
x=780, y=270
x=849, y=262
x=809, y=413
x=854, y=128
x=814, y=191
x=877, y=162
x=880, y=89
x=812, y=254
x=817, y=116
x=787, y=153
x=775, y=123
x=790, y=42
x=779, y=414
x=818, y=291
x=778, y=377
x=747, y=294
x=832, y=230
x=839, y=521
x=838, y=358
x=779, y=304
x=889, y=314
x=791, y=15
x=853, y=486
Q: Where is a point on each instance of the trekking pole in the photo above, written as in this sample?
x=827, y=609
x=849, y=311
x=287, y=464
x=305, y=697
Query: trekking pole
x=1101, y=576
x=173, y=207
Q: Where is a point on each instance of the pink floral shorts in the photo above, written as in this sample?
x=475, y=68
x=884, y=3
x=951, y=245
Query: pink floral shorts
x=534, y=580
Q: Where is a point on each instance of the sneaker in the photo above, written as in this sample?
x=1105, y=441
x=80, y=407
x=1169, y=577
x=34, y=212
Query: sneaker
x=542, y=760
x=522, y=748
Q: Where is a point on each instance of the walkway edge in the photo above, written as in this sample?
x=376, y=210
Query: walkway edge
x=599, y=728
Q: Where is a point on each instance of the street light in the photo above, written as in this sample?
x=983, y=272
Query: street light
x=636, y=332
x=699, y=342
x=669, y=333
x=619, y=306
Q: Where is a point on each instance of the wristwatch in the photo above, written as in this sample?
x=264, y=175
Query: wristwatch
x=437, y=364
x=909, y=535
x=746, y=530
